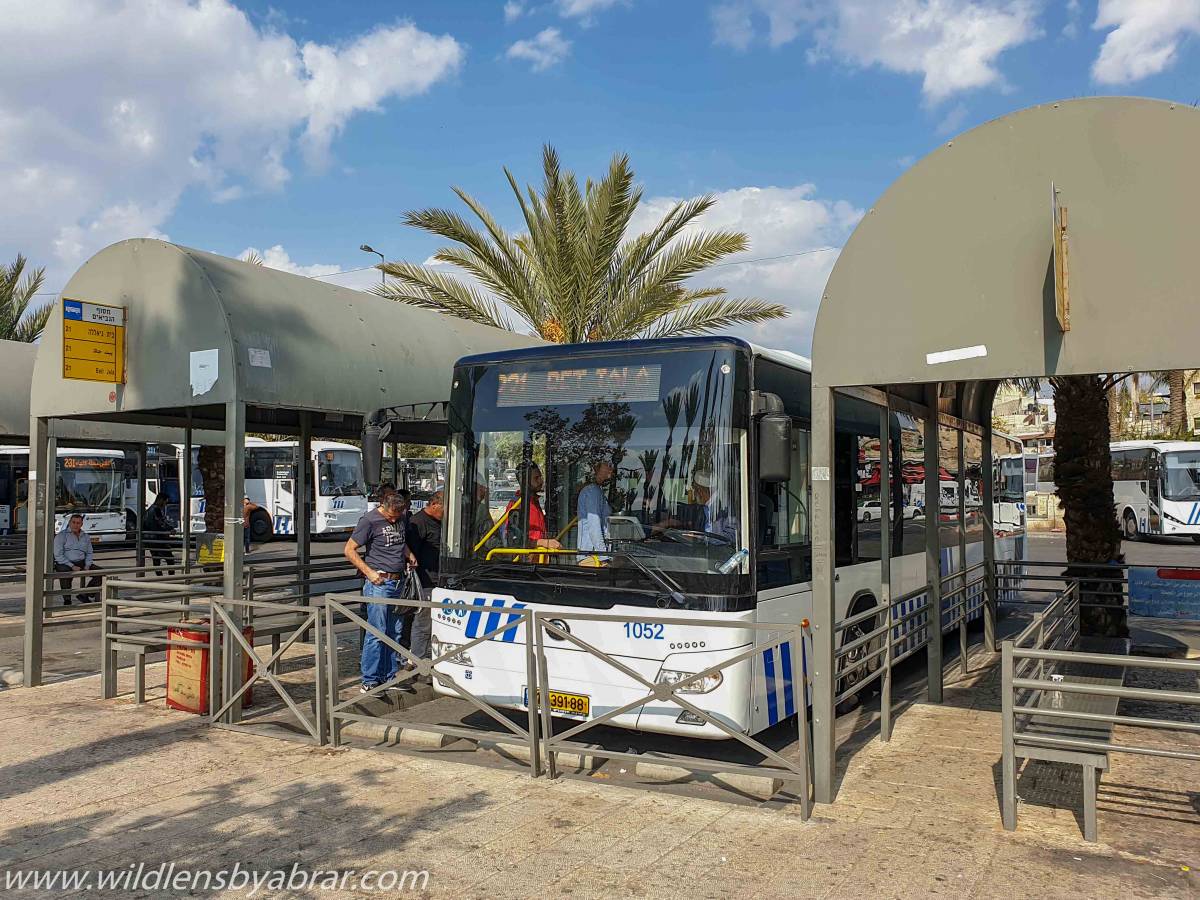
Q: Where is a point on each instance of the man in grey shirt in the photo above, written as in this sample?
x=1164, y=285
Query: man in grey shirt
x=73, y=553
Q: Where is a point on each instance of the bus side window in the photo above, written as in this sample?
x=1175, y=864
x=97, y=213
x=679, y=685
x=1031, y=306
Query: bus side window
x=784, y=521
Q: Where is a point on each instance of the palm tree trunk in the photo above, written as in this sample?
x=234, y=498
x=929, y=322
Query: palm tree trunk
x=1177, y=411
x=1114, y=411
x=211, y=463
x=1083, y=476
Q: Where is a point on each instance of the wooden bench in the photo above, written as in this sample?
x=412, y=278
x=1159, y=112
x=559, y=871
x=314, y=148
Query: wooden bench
x=1026, y=741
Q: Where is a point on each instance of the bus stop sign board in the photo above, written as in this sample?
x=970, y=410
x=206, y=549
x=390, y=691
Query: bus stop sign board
x=93, y=342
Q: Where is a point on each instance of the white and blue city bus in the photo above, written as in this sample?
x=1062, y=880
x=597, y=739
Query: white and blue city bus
x=693, y=529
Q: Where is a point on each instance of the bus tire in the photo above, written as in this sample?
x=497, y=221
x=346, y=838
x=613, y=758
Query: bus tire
x=860, y=605
x=1130, y=526
x=261, y=529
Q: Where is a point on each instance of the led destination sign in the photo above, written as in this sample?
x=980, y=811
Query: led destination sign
x=579, y=384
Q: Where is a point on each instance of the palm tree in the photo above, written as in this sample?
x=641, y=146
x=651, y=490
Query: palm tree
x=572, y=275
x=1083, y=477
x=20, y=320
x=1176, y=383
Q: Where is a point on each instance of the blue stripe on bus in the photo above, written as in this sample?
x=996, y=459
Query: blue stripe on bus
x=785, y=661
x=472, y=628
x=769, y=669
x=493, y=619
x=510, y=635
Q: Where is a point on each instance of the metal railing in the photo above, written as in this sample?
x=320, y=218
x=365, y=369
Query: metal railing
x=532, y=726
x=1097, y=582
x=778, y=637
x=1033, y=665
x=343, y=711
x=228, y=644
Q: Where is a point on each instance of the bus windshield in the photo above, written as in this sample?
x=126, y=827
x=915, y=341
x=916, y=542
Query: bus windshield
x=340, y=473
x=632, y=464
x=1181, y=475
x=89, y=484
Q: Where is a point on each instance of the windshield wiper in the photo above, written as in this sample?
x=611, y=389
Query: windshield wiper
x=667, y=584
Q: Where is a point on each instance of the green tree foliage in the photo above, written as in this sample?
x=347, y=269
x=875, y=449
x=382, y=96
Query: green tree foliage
x=572, y=275
x=20, y=318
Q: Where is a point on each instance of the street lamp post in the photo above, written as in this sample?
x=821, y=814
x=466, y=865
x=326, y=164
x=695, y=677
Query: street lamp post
x=367, y=248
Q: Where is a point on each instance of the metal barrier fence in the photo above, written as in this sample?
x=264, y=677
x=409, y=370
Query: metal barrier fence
x=778, y=637
x=228, y=641
x=1032, y=669
x=137, y=613
x=515, y=625
x=1096, y=581
x=342, y=711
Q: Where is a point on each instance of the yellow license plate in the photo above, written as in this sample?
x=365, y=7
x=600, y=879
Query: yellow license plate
x=569, y=704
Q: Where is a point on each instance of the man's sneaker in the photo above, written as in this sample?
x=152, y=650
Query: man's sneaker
x=367, y=688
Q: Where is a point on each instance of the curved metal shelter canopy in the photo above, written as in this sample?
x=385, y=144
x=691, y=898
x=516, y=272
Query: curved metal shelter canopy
x=212, y=342
x=1058, y=240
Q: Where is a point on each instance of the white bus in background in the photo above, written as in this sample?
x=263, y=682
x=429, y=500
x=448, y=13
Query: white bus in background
x=164, y=468
x=700, y=526
x=335, y=476
x=1156, y=487
x=88, y=482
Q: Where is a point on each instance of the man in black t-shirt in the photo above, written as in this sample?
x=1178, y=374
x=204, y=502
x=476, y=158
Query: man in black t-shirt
x=378, y=549
x=425, y=541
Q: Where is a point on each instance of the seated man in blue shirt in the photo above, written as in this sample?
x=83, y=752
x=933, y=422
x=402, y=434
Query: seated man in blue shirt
x=73, y=553
x=593, y=510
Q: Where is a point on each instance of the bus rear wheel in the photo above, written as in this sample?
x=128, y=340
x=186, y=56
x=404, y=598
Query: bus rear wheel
x=1131, y=528
x=260, y=527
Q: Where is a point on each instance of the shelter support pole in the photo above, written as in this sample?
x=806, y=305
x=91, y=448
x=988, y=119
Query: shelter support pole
x=235, y=490
x=990, y=605
x=305, y=485
x=933, y=549
x=139, y=510
x=962, y=548
x=37, y=562
x=885, y=566
x=185, y=494
x=823, y=637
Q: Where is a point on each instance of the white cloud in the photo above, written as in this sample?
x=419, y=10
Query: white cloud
x=513, y=10
x=277, y=258
x=545, y=49
x=584, y=9
x=1074, y=13
x=782, y=223
x=111, y=109
x=1144, y=39
x=952, y=44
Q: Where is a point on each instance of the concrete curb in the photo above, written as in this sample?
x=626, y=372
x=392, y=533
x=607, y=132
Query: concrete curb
x=397, y=734
x=762, y=787
x=574, y=762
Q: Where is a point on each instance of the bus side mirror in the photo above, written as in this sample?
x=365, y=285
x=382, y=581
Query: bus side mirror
x=372, y=449
x=775, y=448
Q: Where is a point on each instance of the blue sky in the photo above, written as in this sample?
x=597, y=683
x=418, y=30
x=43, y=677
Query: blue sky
x=304, y=129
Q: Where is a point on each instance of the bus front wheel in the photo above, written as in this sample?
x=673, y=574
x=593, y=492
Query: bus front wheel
x=260, y=527
x=1131, y=528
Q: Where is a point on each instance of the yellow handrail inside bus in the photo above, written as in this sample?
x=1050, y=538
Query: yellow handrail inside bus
x=504, y=518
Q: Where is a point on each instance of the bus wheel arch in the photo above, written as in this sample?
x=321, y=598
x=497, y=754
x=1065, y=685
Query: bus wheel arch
x=1129, y=524
x=860, y=603
x=262, y=529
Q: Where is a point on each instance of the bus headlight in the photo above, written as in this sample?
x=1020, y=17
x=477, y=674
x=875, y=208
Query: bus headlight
x=440, y=648
x=700, y=686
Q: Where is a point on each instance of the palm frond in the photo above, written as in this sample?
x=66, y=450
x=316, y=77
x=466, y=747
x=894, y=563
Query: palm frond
x=422, y=286
x=21, y=319
x=709, y=315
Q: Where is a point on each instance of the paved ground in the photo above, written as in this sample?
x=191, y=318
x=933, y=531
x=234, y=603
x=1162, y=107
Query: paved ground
x=89, y=784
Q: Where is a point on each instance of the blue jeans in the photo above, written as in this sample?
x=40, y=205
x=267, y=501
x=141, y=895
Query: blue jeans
x=378, y=662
